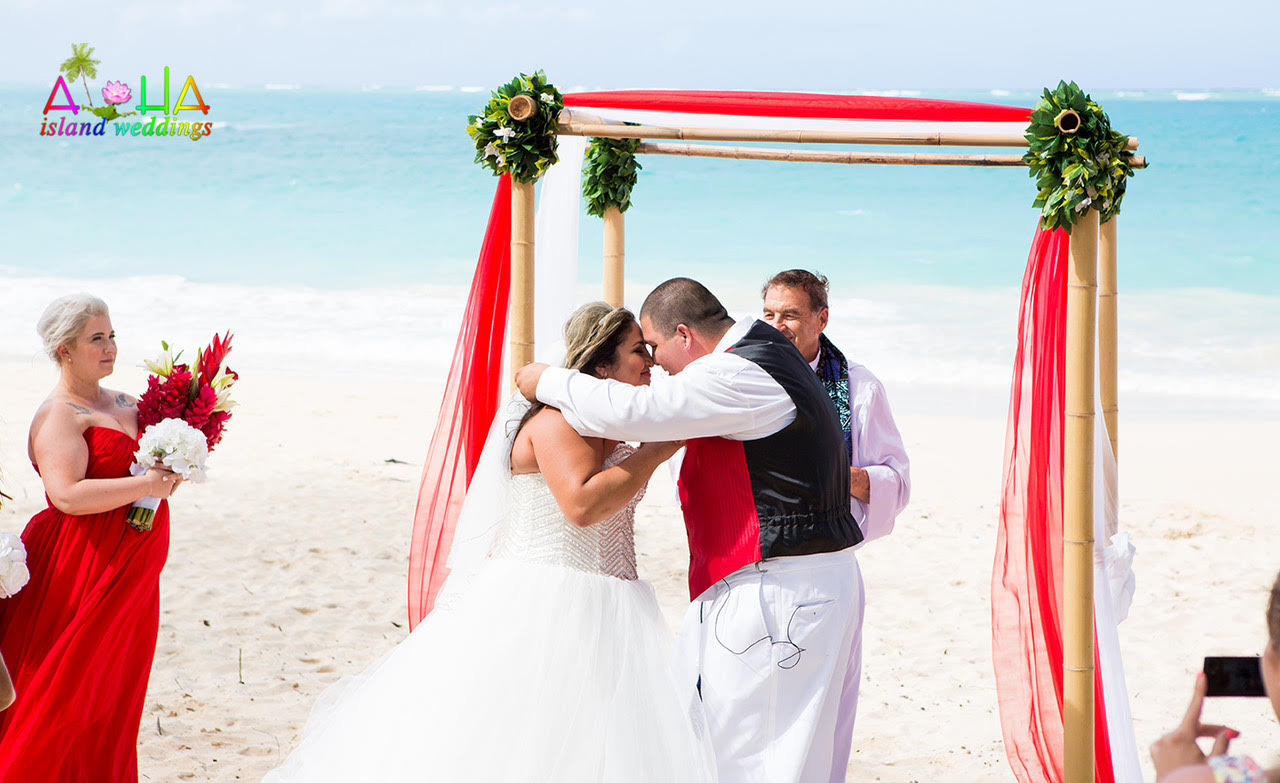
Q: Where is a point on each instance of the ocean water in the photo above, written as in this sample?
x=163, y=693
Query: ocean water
x=353, y=218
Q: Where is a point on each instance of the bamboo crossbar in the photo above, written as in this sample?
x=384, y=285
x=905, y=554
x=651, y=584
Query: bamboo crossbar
x=906, y=137
x=822, y=156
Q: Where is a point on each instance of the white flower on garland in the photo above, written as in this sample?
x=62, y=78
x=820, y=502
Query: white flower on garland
x=505, y=133
x=173, y=444
x=491, y=151
x=547, y=97
x=13, y=565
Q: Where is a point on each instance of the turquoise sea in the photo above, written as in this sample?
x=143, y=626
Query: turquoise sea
x=355, y=189
x=306, y=198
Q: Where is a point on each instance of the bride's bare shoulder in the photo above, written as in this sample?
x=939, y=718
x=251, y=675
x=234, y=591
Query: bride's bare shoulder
x=546, y=431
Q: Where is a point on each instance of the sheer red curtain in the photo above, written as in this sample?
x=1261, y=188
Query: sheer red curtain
x=799, y=104
x=1026, y=584
x=466, y=411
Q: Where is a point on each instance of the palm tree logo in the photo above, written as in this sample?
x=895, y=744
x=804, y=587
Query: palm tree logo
x=80, y=65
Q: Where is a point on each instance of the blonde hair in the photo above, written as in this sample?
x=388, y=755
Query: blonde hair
x=592, y=336
x=591, y=339
x=64, y=319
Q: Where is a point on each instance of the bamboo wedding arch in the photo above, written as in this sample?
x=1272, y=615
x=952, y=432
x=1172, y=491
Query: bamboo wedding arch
x=1091, y=299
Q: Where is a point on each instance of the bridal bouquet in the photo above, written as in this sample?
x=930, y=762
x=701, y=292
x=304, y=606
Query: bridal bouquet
x=13, y=565
x=182, y=415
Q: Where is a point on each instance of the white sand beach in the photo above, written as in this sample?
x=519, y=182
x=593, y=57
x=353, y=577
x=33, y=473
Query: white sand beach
x=287, y=571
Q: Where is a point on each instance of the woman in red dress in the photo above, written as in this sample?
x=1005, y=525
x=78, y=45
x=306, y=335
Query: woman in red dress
x=79, y=639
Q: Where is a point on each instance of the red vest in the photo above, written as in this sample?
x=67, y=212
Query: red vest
x=781, y=495
x=719, y=511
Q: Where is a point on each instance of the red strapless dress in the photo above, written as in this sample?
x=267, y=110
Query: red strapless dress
x=79, y=638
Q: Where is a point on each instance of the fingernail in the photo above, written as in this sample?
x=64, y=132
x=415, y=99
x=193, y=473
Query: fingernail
x=1231, y=733
x=1199, y=676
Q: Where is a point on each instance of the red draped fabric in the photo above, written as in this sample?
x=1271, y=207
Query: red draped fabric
x=1026, y=585
x=466, y=412
x=799, y=104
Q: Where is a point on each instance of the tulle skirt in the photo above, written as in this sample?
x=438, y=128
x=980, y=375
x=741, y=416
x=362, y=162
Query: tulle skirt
x=536, y=673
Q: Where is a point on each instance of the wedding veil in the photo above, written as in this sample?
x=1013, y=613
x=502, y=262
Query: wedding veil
x=487, y=505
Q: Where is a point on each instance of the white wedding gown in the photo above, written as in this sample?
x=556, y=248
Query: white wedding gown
x=552, y=665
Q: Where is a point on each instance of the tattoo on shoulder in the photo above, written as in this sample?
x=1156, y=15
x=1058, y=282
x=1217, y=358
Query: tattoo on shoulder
x=81, y=410
x=122, y=401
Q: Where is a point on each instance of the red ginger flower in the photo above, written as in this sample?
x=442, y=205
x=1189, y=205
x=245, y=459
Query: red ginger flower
x=201, y=407
x=175, y=393
x=214, y=426
x=211, y=358
x=148, y=411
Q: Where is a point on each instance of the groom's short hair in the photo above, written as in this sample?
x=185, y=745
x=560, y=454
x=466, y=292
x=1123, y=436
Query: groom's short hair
x=684, y=301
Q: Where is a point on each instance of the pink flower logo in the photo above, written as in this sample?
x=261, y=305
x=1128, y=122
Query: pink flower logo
x=116, y=92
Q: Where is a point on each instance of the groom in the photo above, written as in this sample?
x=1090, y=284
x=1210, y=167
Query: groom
x=764, y=487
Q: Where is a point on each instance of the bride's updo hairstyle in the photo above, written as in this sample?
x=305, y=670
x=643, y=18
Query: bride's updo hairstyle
x=592, y=336
x=64, y=319
x=591, y=339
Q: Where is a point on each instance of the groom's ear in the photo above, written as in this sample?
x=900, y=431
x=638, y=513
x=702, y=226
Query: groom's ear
x=684, y=335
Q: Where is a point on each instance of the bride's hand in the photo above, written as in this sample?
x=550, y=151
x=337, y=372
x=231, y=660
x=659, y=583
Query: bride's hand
x=663, y=449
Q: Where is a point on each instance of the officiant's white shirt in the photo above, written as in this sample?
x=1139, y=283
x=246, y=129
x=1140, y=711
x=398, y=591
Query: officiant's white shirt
x=720, y=394
x=877, y=449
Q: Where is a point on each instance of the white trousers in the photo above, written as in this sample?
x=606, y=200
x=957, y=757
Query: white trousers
x=776, y=649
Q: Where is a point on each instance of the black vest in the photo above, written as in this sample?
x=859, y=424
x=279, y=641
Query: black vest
x=799, y=475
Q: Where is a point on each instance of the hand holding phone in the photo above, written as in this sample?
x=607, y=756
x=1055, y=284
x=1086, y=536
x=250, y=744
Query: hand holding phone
x=1179, y=748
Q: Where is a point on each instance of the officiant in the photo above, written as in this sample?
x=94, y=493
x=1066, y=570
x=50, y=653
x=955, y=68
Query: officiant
x=795, y=303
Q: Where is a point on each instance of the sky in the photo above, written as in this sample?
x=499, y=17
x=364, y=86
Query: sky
x=821, y=46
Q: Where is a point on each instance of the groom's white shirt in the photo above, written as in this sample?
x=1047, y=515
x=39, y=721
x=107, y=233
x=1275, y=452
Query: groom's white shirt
x=720, y=394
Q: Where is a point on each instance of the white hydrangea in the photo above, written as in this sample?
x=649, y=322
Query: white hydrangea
x=174, y=444
x=13, y=565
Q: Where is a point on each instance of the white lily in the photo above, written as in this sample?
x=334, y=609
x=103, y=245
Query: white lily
x=163, y=366
x=223, y=380
x=225, y=403
x=505, y=133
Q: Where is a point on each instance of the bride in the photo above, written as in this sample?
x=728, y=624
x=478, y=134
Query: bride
x=545, y=659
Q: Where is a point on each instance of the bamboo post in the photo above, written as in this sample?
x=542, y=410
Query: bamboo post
x=1107, y=331
x=614, y=255
x=520, y=342
x=1077, y=539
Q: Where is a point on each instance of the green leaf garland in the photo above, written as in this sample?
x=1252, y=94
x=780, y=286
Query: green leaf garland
x=527, y=148
x=609, y=174
x=1076, y=158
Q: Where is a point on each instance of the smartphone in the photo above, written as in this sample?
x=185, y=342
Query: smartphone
x=1234, y=676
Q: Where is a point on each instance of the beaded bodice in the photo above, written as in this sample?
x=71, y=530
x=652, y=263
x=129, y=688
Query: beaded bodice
x=537, y=531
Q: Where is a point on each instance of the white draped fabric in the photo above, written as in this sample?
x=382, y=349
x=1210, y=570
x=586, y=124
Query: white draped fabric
x=1114, y=583
x=555, y=275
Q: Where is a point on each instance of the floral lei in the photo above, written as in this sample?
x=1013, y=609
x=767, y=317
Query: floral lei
x=524, y=148
x=1076, y=158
